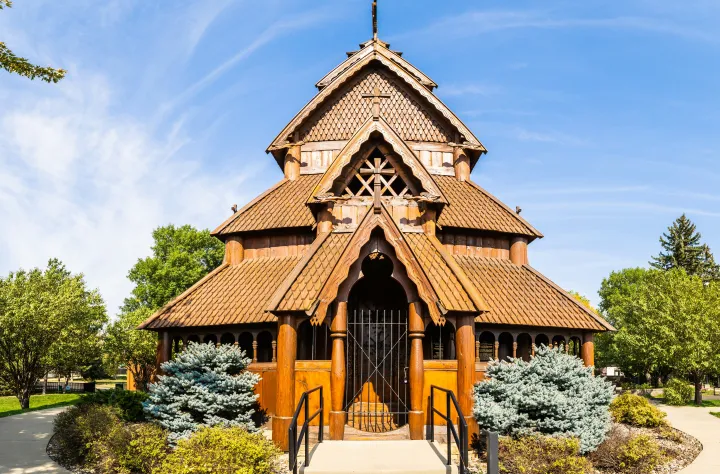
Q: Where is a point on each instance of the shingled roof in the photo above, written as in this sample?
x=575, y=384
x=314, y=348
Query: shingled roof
x=282, y=206
x=231, y=294
x=520, y=295
x=471, y=207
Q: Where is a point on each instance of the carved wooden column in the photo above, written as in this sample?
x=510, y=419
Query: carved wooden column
x=254, y=346
x=533, y=349
x=164, y=350
x=285, y=394
x=518, y=251
x=234, y=250
x=497, y=350
x=416, y=329
x=338, y=333
x=461, y=163
x=292, y=163
x=588, y=349
x=465, y=347
x=514, y=349
x=274, y=351
x=477, y=350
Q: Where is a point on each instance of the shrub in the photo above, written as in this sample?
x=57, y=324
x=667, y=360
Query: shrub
x=130, y=448
x=542, y=455
x=205, y=385
x=626, y=453
x=637, y=411
x=129, y=403
x=678, y=392
x=76, y=429
x=220, y=449
x=553, y=394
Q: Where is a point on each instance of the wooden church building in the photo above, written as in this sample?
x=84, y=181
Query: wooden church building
x=375, y=268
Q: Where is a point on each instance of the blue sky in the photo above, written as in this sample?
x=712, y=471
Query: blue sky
x=601, y=118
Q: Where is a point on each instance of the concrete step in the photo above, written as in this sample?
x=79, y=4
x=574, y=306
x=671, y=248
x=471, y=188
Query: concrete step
x=378, y=457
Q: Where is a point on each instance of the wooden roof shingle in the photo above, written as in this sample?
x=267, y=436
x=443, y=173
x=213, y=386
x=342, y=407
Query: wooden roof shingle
x=519, y=295
x=471, y=207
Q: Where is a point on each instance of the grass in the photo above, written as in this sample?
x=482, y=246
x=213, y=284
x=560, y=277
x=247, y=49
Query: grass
x=11, y=406
x=715, y=413
x=705, y=404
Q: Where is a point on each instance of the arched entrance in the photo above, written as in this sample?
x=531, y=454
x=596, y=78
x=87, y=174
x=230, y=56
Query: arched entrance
x=377, y=392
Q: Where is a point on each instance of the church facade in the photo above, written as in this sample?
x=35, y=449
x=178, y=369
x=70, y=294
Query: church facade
x=376, y=267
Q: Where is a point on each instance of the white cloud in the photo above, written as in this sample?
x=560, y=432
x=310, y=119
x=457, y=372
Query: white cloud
x=82, y=184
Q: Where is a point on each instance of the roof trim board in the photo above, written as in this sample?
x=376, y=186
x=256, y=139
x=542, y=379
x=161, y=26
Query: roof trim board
x=305, y=112
x=362, y=136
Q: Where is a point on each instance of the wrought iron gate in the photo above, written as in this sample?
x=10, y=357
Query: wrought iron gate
x=377, y=370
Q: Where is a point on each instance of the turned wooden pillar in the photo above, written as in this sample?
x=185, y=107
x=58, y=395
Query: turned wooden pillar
x=532, y=349
x=324, y=221
x=514, y=350
x=292, y=163
x=274, y=351
x=285, y=393
x=164, y=350
x=428, y=221
x=588, y=349
x=518, y=251
x=461, y=163
x=416, y=375
x=254, y=346
x=338, y=333
x=234, y=250
x=497, y=350
x=465, y=347
x=477, y=350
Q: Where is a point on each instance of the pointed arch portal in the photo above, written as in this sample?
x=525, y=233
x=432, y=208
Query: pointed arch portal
x=376, y=397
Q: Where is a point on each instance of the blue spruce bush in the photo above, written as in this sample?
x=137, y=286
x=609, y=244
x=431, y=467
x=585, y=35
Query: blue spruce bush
x=203, y=386
x=553, y=394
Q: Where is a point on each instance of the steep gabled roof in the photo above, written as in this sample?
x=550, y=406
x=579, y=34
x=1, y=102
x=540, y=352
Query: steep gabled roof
x=380, y=48
x=231, y=294
x=281, y=140
x=520, y=295
x=282, y=206
x=399, y=147
x=472, y=207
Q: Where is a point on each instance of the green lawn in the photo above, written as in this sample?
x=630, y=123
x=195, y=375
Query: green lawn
x=11, y=405
x=706, y=404
x=715, y=413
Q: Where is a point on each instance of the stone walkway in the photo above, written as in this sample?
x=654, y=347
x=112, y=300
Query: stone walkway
x=698, y=422
x=23, y=439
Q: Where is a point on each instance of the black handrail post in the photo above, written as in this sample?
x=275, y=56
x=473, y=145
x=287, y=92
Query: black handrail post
x=322, y=410
x=465, y=443
x=307, y=434
x=291, y=449
x=432, y=414
x=449, y=427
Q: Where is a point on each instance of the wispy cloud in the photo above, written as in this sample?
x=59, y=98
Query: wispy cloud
x=477, y=22
x=486, y=90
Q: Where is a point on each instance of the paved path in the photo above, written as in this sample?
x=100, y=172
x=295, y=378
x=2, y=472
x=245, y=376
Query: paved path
x=699, y=423
x=23, y=439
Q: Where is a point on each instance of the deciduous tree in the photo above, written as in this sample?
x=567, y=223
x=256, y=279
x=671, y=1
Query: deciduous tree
x=15, y=64
x=126, y=345
x=39, y=309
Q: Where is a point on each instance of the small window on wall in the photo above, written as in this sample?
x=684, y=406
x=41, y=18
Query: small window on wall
x=439, y=342
x=313, y=342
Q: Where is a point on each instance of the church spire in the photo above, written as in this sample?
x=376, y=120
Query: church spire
x=374, y=20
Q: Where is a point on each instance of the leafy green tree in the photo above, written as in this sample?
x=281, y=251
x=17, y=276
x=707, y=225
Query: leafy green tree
x=682, y=249
x=39, y=309
x=180, y=257
x=126, y=345
x=14, y=64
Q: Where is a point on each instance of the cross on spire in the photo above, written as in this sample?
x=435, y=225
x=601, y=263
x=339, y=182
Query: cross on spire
x=374, y=20
x=376, y=96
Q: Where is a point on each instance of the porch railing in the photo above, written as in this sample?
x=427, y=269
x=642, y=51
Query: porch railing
x=295, y=440
x=460, y=435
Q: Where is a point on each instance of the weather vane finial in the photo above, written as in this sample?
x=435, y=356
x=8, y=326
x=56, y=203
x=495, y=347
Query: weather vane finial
x=374, y=19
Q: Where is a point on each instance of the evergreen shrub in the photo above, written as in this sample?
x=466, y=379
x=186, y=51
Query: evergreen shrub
x=138, y=448
x=129, y=403
x=635, y=410
x=219, y=449
x=678, y=392
x=542, y=455
x=77, y=428
x=204, y=385
x=627, y=453
x=553, y=394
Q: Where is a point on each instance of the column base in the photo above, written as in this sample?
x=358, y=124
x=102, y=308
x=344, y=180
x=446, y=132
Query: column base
x=473, y=428
x=416, y=420
x=337, y=425
x=280, y=425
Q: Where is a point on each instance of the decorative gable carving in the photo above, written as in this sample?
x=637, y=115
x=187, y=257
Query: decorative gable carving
x=350, y=107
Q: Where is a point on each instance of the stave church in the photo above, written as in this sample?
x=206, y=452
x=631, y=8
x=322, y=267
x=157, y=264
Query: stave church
x=375, y=267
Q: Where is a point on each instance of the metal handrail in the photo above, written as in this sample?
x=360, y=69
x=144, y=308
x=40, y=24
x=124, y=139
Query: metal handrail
x=293, y=439
x=461, y=438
